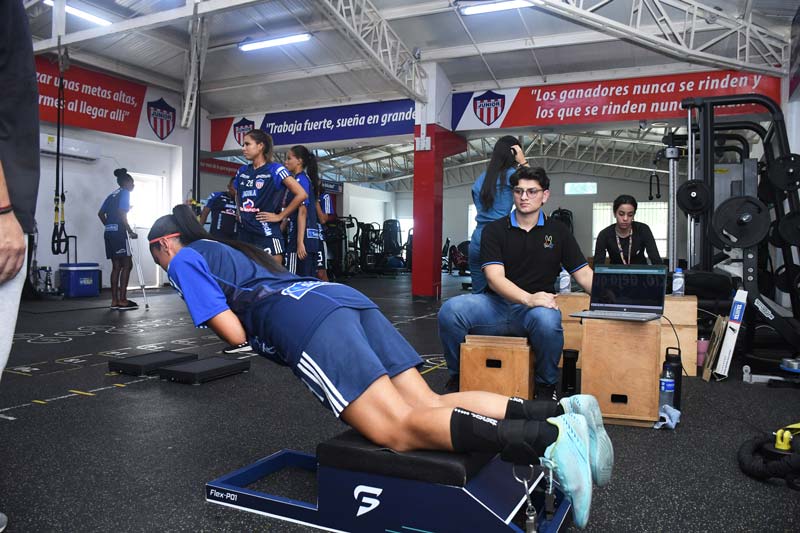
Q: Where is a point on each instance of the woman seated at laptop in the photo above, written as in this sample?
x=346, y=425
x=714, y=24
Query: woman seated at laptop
x=626, y=241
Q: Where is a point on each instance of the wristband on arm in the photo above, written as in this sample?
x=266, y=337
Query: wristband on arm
x=6, y=209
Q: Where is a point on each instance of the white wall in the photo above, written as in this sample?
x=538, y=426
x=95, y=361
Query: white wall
x=88, y=183
x=367, y=205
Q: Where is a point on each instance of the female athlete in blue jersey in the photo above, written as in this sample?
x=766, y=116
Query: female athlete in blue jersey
x=356, y=363
x=493, y=199
x=114, y=216
x=305, y=241
x=260, y=187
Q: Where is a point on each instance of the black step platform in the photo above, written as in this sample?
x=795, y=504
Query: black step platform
x=146, y=364
x=202, y=370
x=350, y=451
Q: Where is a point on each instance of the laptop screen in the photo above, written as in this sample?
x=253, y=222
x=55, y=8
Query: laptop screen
x=638, y=288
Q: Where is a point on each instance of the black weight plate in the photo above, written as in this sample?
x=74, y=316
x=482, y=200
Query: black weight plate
x=784, y=172
x=775, y=238
x=694, y=198
x=789, y=228
x=782, y=278
x=741, y=222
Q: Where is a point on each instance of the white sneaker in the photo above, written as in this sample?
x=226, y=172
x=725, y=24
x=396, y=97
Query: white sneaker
x=3, y=522
x=238, y=348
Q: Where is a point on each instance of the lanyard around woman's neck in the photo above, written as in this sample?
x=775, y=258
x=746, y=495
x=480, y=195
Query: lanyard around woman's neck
x=619, y=246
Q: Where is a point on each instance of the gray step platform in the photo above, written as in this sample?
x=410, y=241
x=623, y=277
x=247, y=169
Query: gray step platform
x=203, y=370
x=147, y=364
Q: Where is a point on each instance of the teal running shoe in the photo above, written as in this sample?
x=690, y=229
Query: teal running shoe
x=568, y=458
x=600, y=448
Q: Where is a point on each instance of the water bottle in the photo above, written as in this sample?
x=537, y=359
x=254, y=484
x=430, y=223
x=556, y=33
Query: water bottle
x=666, y=385
x=678, y=282
x=673, y=360
x=564, y=282
x=569, y=373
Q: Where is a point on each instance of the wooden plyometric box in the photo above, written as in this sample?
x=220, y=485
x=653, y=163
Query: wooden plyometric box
x=621, y=366
x=497, y=364
x=681, y=310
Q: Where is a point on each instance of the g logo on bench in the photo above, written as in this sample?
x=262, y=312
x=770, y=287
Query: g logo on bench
x=363, y=494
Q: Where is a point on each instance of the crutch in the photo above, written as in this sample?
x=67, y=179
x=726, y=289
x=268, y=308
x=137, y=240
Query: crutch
x=138, y=269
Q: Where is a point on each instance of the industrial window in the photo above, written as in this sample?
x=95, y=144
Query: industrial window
x=654, y=214
x=586, y=187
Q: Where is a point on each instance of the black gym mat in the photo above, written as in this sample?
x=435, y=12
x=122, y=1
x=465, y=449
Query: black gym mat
x=147, y=364
x=203, y=370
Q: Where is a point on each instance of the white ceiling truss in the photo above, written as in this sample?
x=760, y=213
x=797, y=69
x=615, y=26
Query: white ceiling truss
x=198, y=32
x=621, y=154
x=363, y=25
x=740, y=44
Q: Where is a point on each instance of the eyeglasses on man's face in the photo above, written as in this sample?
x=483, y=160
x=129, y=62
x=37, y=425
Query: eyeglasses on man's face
x=519, y=191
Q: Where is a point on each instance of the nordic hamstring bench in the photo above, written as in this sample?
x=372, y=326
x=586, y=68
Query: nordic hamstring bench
x=363, y=487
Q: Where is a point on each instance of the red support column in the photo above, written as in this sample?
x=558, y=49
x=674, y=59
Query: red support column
x=426, y=270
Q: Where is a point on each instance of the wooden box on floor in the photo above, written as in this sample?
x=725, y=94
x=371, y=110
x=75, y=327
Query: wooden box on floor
x=497, y=364
x=682, y=310
x=621, y=366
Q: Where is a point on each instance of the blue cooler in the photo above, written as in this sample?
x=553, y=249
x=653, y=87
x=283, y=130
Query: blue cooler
x=79, y=280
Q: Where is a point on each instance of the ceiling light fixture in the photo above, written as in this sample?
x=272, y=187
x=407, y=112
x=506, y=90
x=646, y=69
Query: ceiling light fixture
x=659, y=124
x=486, y=7
x=81, y=14
x=248, y=46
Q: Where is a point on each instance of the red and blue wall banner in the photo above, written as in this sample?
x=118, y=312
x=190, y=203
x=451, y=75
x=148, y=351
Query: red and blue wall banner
x=652, y=98
x=100, y=102
x=357, y=121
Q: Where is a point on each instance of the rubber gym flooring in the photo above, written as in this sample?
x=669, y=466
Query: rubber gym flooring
x=84, y=450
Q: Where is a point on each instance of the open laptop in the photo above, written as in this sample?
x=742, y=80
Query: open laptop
x=627, y=292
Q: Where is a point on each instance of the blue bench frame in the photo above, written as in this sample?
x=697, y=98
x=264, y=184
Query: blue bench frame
x=487, y=503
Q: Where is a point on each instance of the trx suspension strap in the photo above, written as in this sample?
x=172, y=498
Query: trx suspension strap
x=59, y=244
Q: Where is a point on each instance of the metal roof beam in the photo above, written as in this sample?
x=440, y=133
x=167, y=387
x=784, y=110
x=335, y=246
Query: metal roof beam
x=198, y=31
x=682, y=44
x=363, y=25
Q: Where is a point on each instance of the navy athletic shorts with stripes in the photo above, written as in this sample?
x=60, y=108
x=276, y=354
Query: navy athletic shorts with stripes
x=350, y=349
x=272, y=244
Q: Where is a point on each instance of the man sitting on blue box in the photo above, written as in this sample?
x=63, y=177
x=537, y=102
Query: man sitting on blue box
x=114, y=216
x=521, y=255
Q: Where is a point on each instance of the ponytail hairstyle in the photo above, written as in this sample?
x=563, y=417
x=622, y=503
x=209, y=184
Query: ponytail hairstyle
x=502, y=159
x=309, y=166
x=123, y=176
x=263, y=138
x=184, y=222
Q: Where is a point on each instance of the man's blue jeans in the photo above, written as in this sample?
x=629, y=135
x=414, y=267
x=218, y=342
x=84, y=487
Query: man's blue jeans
x=489, y=314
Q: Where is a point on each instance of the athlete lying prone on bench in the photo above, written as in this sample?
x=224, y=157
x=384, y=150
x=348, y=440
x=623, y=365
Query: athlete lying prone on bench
x=363, y=370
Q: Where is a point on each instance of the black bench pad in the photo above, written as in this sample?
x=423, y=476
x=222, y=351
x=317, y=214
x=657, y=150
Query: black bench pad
x=351, y=451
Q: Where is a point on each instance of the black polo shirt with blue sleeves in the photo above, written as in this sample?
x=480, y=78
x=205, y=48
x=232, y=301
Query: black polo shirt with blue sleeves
x=532, y=259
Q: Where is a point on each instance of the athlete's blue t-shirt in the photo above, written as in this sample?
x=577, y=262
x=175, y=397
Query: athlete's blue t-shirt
x=279, y=311
x=119, y=200
x=223, y=214
x=503, y=199
x=260, y=189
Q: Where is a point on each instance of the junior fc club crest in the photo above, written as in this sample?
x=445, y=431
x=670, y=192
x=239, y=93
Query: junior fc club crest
x=242, y=128
x=489, y=106
x=161, y=117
